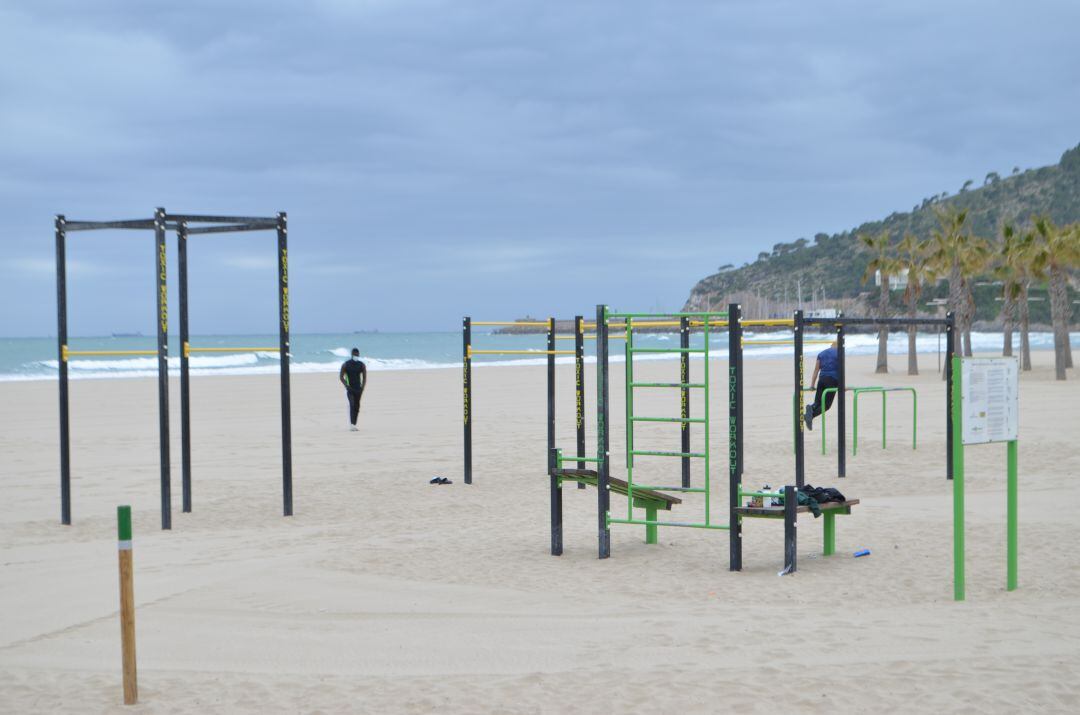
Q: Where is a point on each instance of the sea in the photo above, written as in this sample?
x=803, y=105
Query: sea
x=36, y=358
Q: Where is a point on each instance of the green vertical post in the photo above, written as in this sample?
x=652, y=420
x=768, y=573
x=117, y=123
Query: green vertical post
x=884, y=419
x=629, y=375
x=958, y=482
x=855, y=422
x=830, y=532
x=1012, y=517
x=123, y=526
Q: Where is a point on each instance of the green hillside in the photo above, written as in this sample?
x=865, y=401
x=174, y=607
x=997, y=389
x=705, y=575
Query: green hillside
x=833, y=265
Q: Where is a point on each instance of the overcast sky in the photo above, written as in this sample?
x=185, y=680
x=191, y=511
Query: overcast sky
x=441, y=158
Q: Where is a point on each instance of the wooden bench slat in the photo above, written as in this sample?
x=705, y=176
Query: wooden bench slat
x=589, y=476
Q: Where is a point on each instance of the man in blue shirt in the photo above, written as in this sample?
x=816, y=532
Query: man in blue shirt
x=826, y=375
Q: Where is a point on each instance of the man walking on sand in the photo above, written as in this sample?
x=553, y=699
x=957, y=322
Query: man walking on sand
x=353, y=376
x=828, y=364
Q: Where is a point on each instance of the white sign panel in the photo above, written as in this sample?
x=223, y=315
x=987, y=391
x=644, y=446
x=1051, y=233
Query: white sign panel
x=989, y=399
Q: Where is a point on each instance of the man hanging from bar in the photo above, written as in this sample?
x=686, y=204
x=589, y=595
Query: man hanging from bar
x=353, y=376
x=828, y=365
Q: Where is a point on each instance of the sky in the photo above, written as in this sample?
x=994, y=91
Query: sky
x=441, y=158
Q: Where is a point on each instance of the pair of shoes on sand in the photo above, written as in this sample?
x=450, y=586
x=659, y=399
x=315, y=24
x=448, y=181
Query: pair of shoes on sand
x=808, y=417
x=440, y=480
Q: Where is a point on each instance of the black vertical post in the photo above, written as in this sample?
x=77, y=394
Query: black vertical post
x=800, y=465
x=466, y=382
x=556, y=503
x=950, y=348
x=163, y=366
x=185, y=376
x=283, y=348
x=734, y=434
x=684, y=394
x=791, y=505
x=579, y=388
x=841, y=405
x=603, y=442
x=62, y=367
x=551, y=385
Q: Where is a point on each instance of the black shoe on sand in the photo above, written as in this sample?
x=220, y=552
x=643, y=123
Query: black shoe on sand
x=436, y=480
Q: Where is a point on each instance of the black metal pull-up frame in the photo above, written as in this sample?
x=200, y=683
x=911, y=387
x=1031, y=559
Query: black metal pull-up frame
x=159, y=224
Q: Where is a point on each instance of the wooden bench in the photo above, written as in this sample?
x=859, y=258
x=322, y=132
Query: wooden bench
x=789, y=512
x=648, y=499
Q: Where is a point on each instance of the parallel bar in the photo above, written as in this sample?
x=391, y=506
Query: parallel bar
x=236, y=228
x=99, y=225
x=283, y=347
x=875, y=321
x=199, y=218
x=668, y=350
x=61, y=349
x=680, y=385
x=786, y=342
x=631, y=316
x=669, y=488
x=766, y=321
x=105, y=353
x=270, y=349
x=520, y=352
x=163, y=367
x=520, y=323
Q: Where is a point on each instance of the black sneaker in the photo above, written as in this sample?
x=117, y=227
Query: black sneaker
x=808, y=417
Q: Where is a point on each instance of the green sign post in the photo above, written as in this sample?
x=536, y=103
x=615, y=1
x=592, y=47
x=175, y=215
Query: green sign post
x=984, y=410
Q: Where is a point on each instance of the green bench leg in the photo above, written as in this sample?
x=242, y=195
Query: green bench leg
x=650, y=529
x=830, y=532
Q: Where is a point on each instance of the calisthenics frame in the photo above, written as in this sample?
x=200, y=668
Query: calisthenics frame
x=234, y=224
x=158, y=225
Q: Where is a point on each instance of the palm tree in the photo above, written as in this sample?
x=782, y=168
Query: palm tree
x=1055, y=251
x=884, y=264
x=947, y=245
x=1008, y=269
x=913, y=259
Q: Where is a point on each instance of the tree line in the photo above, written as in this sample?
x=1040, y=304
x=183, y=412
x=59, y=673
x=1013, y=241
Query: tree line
x=1018, y=258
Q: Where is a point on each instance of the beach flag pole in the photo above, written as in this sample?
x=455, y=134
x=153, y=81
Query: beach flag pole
x=127, y=605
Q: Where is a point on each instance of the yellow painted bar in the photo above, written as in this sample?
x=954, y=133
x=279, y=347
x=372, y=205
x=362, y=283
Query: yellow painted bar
x=769, y=321
x=589, y=336
x=520, y=352
x=188, y=350
x=104, y=353
x=529, y=323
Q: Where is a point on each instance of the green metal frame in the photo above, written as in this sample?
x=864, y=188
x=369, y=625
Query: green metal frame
x=633, y=500
x=884, y=419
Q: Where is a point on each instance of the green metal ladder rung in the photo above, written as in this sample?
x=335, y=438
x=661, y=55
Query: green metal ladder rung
x=657, y=488
x=641, y=453
x=681, y=420
x=680, y=385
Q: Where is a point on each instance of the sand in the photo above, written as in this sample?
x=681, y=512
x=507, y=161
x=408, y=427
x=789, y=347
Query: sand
x=386, y=594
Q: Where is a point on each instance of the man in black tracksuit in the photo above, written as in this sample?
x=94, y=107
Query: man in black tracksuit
x=353, y=376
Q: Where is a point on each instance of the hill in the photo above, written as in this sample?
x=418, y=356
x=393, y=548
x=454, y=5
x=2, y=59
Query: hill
x=830, y=267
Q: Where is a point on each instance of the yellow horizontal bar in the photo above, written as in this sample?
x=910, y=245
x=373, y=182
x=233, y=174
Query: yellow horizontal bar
x=660, y=324
x=769, y=321
x=105, y=353
x=520, y=352
x=591, y=336
x=531, y=323
x=273, y=349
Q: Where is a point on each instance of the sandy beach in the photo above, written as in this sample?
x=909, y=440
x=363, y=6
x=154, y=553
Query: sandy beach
x=386, y=594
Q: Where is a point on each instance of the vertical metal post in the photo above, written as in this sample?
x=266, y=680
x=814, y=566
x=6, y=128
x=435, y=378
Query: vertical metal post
x=163, y=366
x=800, y=465
x=603, y=443
x=185, y=376
x=791, y=524
x=684, y=394
x=556, y=503
x=466, y=381
x=841, y=406
x=734, y=435
x=283, y=348
x=1012, y=517
x=62, y=368
x=551, y=385
x=957, y=474
x=950, y=350
x=579, y=388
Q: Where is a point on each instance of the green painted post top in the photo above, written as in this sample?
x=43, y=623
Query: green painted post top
x=123, y=523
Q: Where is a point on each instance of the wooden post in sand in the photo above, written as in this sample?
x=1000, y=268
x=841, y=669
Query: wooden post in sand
x=127, y=605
